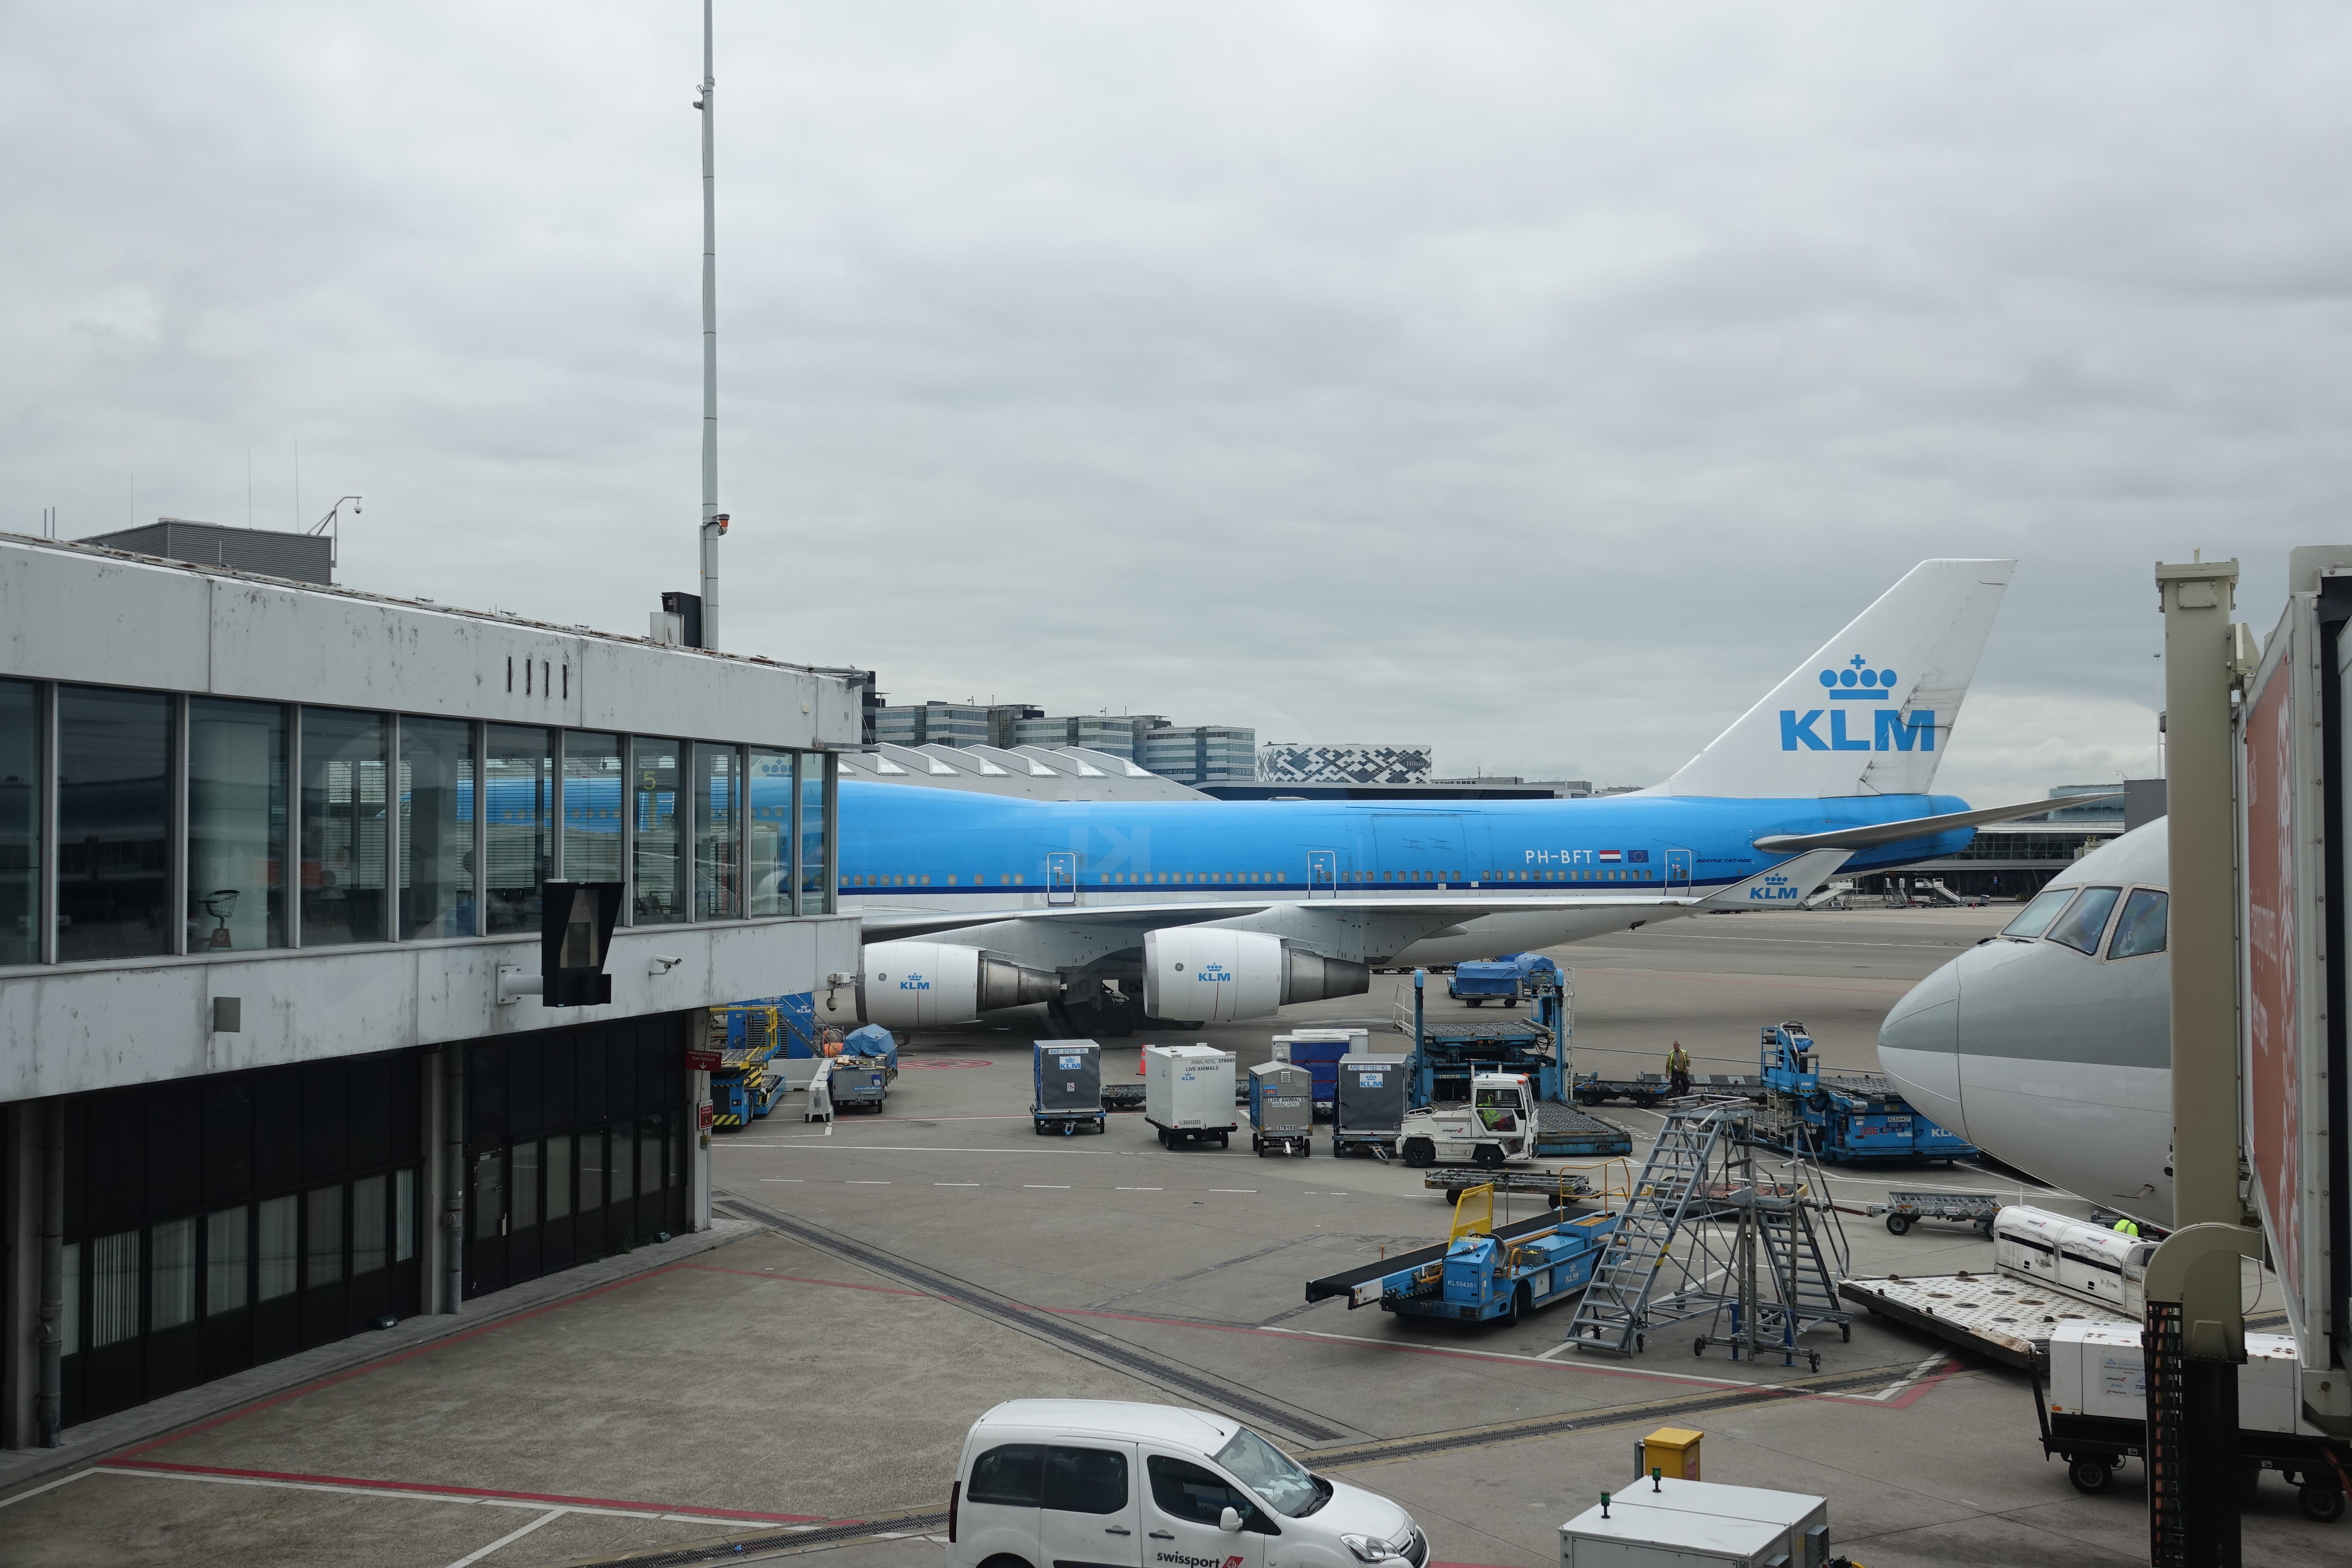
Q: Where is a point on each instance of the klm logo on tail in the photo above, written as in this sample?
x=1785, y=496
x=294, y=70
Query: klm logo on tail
x=1892, y=730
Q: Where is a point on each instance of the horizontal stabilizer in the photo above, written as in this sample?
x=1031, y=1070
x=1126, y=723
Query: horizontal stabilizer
x=1879, y=833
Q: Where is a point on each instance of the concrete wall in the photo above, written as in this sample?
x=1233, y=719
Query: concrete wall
x=106, y=1025
x=87, y=615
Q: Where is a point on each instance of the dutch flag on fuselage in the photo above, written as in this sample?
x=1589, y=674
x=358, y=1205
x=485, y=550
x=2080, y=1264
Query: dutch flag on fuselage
x=1612, y=855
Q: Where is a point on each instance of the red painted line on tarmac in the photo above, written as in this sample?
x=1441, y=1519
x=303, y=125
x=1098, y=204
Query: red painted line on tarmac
x=241, y=1411
x=798, y=1280
x=427, y=1489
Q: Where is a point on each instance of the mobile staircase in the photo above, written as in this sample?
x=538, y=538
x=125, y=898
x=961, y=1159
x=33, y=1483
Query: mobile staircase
x=1753, y=1250
x=1614, y=1314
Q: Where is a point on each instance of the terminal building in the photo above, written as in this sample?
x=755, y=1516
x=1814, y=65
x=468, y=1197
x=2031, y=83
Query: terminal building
x=266, y=847
x=1193, y=754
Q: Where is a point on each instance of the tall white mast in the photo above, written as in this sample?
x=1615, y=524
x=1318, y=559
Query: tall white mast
x=711, y=525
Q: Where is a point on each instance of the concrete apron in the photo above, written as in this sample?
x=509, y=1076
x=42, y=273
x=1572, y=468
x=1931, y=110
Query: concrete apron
x=161, y=1418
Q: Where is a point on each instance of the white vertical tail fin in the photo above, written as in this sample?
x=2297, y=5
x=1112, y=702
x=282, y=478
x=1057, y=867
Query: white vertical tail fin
x=1872, y=712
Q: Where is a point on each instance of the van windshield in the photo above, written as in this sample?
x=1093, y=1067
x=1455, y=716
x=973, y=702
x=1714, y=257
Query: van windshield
x=1271, y=1474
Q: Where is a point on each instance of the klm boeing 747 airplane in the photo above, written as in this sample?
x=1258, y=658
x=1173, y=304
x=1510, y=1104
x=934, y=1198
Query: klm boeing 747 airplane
x=1117, y=912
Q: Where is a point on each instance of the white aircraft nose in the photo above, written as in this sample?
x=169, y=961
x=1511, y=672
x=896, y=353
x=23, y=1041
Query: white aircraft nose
x=1918, y=1047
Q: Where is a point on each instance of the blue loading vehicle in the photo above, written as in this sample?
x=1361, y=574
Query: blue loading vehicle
x=1480, y=1274
x=1505, y=979
x=1845, y=1119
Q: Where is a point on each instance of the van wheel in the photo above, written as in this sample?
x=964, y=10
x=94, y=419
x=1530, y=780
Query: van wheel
x=1420, y=1153
x=2322, y=1505
x=2090, y=1477
x=1006, y=1559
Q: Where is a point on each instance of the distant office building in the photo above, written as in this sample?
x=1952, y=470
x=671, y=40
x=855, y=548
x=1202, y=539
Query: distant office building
x=932, y=724
x=2094, y=810
x=1120, y=735
x=304, y=557
x=1351, y=763
x=1561, y=789
x=1201, y=754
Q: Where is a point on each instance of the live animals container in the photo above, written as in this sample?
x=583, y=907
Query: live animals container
x=1067, y=1087
x=1281, y=1107
x=1368, y=1113
x=1188, y=1094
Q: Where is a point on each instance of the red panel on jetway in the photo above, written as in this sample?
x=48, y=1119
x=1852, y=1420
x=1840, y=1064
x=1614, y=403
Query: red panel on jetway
x=2274, y=1047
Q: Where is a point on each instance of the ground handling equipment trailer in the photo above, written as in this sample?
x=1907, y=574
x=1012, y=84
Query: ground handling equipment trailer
x=1447, y=1058
x=1648, y=1088
x=1480, y=1273
x=1505, y=979
x=1842, y=1120
x=2090, y=1398
x=1368, y=1113
x=1281, y=1110
x=1903, y=1210
x=865, y=1071
x=1067, y=1088
x=1189, y=1095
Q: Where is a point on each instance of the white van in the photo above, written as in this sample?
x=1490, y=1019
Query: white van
x=1094, y=1483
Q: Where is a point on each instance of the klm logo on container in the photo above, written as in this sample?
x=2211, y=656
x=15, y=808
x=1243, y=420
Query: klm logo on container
x=1213, y=974
x=1774, y=889
x=1892, y=730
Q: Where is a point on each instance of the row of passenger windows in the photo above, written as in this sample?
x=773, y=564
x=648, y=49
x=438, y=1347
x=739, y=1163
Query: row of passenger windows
x=1161, y=879
x=2077, y=918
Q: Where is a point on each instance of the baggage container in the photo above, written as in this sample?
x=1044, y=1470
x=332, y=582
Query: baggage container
x=1068, y=1078
x=1281, y=1109
x=1188, y=1094
x=1319, y=1051
x=1368, y=1109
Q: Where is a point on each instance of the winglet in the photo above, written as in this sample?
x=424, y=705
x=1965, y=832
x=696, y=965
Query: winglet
x=1785, y=885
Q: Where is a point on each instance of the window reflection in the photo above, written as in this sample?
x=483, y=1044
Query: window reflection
x=237, y=825
x=343, y=821
x=171, y=1274
x=278, y=1224
x=769, y=825
x=718, y=865
x=592, y=808
x=20, y=823
x=519, y=793
x=436, y=827
x=225, y=1260
x=367, y=1225
x=659, y=887
x=816, y=878
x=113, y=813
x=324, y=1248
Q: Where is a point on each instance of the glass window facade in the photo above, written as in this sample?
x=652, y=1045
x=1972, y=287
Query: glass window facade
x=769, y=814
x=203, y=825
x=203, y=1239
x=345, y=822
x=718, y=834
x=519, y=794
x=437, y=794
x=592, y=808
x=658, y=879
x=20, y=822
x=237, y=825
x=113, y=773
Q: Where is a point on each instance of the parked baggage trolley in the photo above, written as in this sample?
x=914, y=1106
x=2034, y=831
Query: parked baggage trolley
x=1903, y=1210
x=1281, y=1109
x=1068, y=1079
x=1188, y=1094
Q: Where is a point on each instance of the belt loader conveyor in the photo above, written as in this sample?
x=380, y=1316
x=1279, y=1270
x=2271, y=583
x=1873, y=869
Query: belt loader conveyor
x=1481, y=1276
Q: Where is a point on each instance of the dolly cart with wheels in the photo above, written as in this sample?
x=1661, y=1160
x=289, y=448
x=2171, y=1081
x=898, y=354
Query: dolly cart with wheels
x=2090, y=1394
x=1069, y=1096
x=1281, y=1110
x=1367, y=1114
x=1188, y=1094
x=1902, y=1210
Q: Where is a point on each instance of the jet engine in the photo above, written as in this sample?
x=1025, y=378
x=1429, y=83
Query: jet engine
x=932, y=984
x=1218, y=975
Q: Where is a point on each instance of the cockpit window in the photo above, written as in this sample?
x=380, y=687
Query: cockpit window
x=2081, y=925
x=2141, y=929
x=2035, y=917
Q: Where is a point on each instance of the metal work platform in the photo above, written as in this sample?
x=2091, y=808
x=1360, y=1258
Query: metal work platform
x=1564, y=1132
x=1995, y=1315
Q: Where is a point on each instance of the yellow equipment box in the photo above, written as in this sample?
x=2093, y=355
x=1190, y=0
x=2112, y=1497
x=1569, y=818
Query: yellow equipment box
x=1670, y=1450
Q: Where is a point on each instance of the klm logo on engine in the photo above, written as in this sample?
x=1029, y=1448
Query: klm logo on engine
x=1892, y=730
x=1213, y=975
x=1773, y=890
x=913, y=982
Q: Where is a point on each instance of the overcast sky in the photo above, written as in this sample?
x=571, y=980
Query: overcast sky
x=1540, y=380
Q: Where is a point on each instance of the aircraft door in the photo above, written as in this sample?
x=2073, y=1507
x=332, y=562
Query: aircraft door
x=1322, y=873
x=1062, y=878
x=1678, y=872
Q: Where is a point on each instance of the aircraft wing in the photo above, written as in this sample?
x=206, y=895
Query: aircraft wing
x=1791, y=880
x=1917, y=827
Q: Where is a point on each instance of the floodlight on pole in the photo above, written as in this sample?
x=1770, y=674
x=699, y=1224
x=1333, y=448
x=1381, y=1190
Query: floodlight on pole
x=713, y=524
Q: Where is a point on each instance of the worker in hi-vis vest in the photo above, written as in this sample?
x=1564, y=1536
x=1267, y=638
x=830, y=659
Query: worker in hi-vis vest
x=2129, y=1226
x=1678, y=1070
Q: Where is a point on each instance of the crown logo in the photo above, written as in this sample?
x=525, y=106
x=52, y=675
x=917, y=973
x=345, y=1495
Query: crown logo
x=1857, y=682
